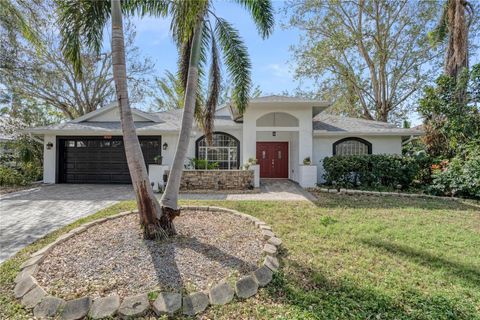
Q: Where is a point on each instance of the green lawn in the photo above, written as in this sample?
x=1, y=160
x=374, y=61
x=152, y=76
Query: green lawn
x=349, y=257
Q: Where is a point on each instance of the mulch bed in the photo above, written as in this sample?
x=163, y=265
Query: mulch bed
x=112, y=257
x=7, y=190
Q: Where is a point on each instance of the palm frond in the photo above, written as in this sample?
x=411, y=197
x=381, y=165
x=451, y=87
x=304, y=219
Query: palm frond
x=81, y=22
x=214, y=87
x=262, y=13
x=184, y=61
x=237, y=62
x=170, y=95
x=200, y=100
x=439, y=34
x=18, y=21
x=157, y=8
x=183, y=65
x=184, y=17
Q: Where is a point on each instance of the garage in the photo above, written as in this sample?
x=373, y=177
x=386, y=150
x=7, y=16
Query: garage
x=100, y=159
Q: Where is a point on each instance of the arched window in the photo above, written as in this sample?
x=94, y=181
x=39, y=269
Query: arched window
x=352, y=146
x=224, y=150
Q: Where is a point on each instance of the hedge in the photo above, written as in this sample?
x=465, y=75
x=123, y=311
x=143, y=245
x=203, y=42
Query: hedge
x=372, y=171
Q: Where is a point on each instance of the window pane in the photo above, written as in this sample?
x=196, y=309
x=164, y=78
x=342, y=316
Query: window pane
x=351, y=147
x=223, y=150
x=117, y=143
x=105, y=143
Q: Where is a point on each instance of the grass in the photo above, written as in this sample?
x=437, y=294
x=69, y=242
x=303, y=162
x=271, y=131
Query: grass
x=347, y=257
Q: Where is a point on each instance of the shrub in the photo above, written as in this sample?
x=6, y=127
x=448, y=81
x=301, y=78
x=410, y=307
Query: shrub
x=458, y=177
x=11, y=177
x=371, y=171
x=202, y=164
x=31, y=171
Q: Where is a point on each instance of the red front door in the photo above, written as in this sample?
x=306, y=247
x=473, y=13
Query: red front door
x=273, y=159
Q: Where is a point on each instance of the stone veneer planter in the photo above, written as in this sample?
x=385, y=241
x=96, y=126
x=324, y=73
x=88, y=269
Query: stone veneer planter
x=33, y=296
x=217, y=180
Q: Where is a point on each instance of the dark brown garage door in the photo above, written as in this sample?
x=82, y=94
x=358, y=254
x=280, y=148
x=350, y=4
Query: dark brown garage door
x=99, y=159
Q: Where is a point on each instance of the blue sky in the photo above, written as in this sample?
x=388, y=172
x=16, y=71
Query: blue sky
x=271, y=69
x=272, y=62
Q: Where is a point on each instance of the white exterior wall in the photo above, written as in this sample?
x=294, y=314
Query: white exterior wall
x=323, y=147
x=300, y=138
x=167, y=155
x=49, y=159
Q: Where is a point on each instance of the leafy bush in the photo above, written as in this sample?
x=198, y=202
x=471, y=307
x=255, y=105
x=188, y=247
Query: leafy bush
x=450, y=113
x=31, y=171
x=202, y=164
x=371, y=171
x=458, y=177
x=11, y=177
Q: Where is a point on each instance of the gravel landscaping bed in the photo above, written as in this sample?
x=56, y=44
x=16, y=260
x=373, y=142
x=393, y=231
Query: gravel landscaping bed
x=112, y=257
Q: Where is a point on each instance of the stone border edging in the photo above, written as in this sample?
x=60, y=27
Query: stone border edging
x=385, y=193
x=33, y=296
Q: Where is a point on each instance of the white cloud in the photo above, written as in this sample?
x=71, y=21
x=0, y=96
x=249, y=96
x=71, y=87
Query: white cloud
x=158, y=27
x=279, y=70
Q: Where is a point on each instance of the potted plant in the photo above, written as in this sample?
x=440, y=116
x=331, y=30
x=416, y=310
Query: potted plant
x=307, y=161
x=250, y=162
x=158, y=159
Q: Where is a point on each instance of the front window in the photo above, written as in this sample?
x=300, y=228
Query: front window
x=224, y=150
x=351, y=146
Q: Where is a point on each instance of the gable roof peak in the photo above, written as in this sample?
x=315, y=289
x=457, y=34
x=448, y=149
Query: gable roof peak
x=142, y=114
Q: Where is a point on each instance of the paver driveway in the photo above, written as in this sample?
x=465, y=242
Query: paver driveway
x=26, y=216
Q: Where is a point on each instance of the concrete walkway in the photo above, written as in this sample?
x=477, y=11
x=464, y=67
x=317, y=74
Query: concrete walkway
x=28, y=215
x=270, y=189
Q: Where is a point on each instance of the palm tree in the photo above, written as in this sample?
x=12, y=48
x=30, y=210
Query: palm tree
x=170, y=92
x=453, y=26
x=87, y=18
x=83, y=21
x=193, y=30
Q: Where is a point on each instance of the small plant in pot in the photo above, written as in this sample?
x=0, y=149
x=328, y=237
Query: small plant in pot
x=307, y=161
x=158, y=159
x=250, y=162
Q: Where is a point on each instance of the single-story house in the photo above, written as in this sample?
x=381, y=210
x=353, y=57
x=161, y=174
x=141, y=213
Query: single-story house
x=280, y=132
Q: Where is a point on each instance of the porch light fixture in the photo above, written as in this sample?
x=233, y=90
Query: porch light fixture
x=49, y=145
x=165, y=146
x=274, y=133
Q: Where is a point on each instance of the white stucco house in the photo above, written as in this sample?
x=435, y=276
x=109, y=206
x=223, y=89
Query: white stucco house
x=280, y=132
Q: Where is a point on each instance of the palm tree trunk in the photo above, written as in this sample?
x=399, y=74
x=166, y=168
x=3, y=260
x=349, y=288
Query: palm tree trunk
x=155, y=224
x=457, y=52
x=169, y=199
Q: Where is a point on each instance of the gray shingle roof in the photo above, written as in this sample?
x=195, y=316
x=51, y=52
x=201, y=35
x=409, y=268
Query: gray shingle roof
x=169, y=121
x=278, y=98
x=330, y=123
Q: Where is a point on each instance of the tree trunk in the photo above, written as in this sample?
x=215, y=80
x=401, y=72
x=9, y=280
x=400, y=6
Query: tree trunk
x=457, y=52
x=156, y=224
x=169, y=199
